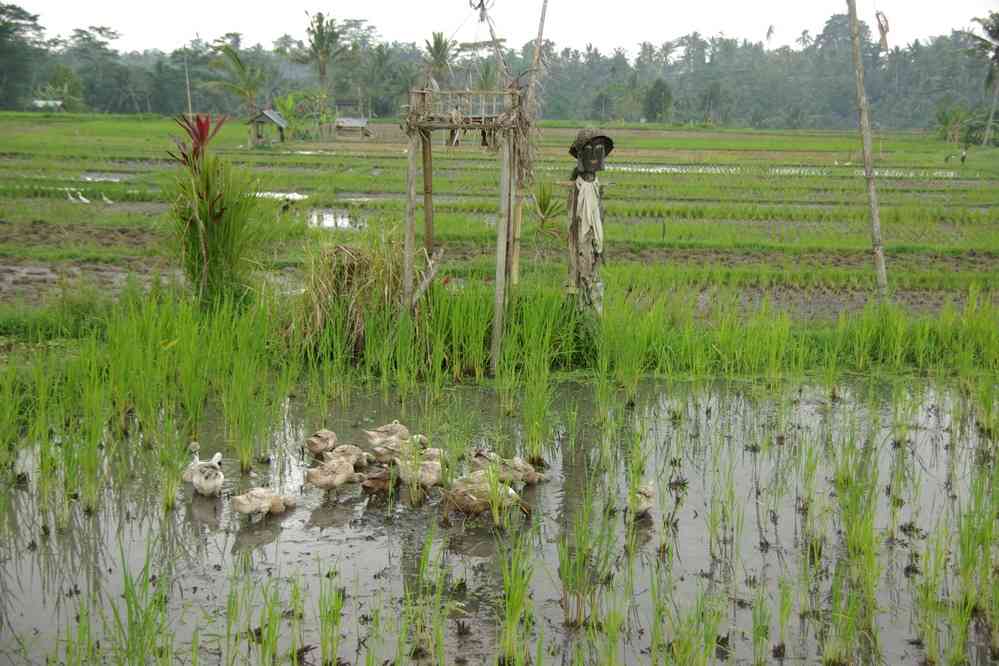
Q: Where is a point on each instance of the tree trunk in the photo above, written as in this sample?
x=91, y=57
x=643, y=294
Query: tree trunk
x=865, y=133
x=992, y=113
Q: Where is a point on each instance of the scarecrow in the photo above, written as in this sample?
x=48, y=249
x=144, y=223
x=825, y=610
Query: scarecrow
x=586, y=231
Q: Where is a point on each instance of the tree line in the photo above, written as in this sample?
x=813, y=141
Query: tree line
x=692, y=79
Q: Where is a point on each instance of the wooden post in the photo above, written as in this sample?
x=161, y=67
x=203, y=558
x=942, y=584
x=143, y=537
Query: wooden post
x=518, y=221
x=502, y=226
x=865, y=133
x=410, y=242
x=428, y=192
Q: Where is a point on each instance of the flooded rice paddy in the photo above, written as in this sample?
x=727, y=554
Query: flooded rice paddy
x=812, y=523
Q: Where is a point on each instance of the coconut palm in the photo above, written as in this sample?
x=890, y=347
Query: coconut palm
x=323, y=46
x=439, y=56
x=241, y=78
x=988, y=46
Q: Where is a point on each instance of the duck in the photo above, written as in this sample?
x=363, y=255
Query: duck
x=320, y=442
x=357, y=458
x=645, y=497
x=426, y=473
x=379, y=481
x=262, y=501
x=332, y=474
x=471, y=494
x=390, y=449
x=206, y=477
x=510, y=470
x=390, y=432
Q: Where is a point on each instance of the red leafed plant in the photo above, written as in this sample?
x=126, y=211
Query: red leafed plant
x=199, y=129
x=213, y=209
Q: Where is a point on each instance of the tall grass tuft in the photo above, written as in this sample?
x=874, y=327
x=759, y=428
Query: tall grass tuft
x=213, y=212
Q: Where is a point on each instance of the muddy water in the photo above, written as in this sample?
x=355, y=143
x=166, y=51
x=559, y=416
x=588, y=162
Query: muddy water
x=703, y=442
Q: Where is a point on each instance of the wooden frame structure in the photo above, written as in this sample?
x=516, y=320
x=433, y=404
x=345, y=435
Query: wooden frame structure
x=498, y=115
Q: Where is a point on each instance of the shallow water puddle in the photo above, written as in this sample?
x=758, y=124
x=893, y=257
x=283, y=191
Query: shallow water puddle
x=285, y=196
x=333, y=218
x=99, y=177
x=758, y=495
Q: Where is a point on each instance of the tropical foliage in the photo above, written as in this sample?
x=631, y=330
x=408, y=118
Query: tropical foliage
x=692, y=78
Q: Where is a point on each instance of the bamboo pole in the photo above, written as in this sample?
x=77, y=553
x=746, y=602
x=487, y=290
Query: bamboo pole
x=865, y=133
x=428, y=193
x=410, y=241
x=502, y=225
x=518, y=220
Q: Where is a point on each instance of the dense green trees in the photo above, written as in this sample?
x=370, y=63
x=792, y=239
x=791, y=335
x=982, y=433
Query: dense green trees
x=20, y=53
x=692, y=78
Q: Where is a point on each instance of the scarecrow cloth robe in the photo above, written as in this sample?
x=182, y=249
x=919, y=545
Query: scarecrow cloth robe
x=586, y=243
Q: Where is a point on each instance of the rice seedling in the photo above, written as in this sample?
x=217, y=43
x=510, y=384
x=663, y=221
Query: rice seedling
x=267, y=633
x=584, y=561
x=139, y=619
x=517, y=570
x=761, y=626
x=331, y=600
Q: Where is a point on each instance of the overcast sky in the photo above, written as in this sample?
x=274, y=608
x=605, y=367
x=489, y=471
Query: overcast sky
x=166, y=24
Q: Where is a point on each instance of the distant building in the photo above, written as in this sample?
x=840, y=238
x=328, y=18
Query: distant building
x=47, y=104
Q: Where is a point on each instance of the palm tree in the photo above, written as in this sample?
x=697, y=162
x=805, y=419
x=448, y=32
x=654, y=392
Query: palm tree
x=488, y=74
x=241, y=79
x=805, y=40
x=988, y=46
x=323, y=47
x=440, y=54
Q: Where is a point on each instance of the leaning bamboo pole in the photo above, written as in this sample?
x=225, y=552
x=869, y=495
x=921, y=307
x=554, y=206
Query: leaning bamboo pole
x=865, y=133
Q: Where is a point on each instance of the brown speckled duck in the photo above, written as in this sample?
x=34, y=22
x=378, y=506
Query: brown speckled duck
x=321, y=442
x=262, y=501
x=510, y=470
x=471, y=494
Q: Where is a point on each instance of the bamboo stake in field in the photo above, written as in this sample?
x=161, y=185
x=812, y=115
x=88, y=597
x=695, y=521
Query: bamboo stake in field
x=865, y=133
x=428, y=192
x=410, y=240
x=507, y=183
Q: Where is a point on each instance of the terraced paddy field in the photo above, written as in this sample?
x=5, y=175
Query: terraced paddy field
x=744, y=461
x=779, y=216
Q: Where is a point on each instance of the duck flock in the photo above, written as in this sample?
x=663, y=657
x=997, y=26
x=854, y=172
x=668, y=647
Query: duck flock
x=394, y=457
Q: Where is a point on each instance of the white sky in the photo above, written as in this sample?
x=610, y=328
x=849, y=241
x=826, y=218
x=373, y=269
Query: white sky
x=166, y=24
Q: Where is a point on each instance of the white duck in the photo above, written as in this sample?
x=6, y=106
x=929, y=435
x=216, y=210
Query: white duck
x=206, y=477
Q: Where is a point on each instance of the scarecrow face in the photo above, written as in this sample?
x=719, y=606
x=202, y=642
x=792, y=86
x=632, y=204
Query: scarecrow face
x=591, y=157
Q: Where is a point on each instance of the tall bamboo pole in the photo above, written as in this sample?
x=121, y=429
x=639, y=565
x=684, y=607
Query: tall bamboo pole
x=410, y=242
x=428, y=193
x=865, y=133
x=507, y=183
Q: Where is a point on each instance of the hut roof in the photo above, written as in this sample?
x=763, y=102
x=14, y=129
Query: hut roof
x=269, y=115
x=352, y=123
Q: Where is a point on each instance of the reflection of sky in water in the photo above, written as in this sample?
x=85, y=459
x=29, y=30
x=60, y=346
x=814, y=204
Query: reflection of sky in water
x=705, y=434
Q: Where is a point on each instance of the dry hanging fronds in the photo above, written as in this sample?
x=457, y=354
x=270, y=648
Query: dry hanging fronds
x=883, y=29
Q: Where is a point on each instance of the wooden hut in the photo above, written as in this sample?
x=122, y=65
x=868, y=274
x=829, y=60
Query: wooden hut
x=265, y=118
